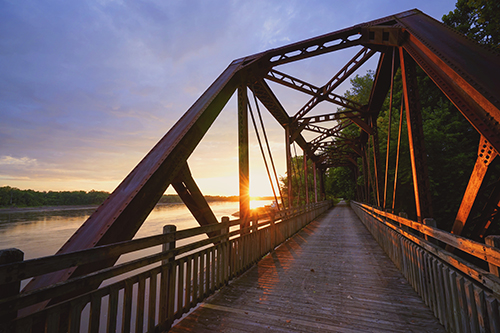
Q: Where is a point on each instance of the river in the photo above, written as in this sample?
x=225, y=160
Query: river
x=42, y=233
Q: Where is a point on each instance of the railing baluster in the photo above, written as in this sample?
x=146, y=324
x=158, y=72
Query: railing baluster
x=112, y=309
x=152, y=302
x=139, y=317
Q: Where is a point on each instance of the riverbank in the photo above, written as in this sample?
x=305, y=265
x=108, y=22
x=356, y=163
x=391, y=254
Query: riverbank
x=40, y=209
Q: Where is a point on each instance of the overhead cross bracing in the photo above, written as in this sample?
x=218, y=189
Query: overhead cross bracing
x=468, y=75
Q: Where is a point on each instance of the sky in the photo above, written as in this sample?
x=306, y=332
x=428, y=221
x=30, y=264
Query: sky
x=87, y=88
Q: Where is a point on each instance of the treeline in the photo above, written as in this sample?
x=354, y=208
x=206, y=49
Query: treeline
x=451, y=143
x=173, y=198
x=14, y=197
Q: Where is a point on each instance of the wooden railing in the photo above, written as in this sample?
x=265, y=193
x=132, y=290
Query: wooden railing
x=462, y=295
x=155, y=289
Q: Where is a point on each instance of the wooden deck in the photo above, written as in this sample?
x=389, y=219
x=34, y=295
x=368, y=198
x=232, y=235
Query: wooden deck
x=331, y=276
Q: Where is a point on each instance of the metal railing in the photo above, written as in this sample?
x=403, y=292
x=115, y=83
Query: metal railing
x=153, y=290
x=463, y=296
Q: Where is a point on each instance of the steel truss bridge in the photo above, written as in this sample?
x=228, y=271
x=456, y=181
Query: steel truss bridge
x=64, y=285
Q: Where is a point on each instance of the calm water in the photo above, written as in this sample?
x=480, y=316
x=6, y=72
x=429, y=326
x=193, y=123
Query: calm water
x=39, y=234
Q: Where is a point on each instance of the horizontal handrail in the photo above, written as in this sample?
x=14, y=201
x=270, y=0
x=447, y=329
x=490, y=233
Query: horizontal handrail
x=484, y=252
x=464, y=297
x=481, y=251
x=36, y=267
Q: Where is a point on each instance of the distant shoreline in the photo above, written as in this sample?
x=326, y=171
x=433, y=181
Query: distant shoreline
x=40, y=209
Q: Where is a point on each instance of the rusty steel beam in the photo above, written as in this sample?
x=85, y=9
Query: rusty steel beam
x=490, y=213
x=381, y=83
x=359, y=59
x=326, y=117
x=485, y=155
x=418, y=157
x=273, y=105
x=315, y=46
x=331, y=132
x=302, y=86
x=289, y=172
x=189, y=192
x=125, y=210
x=304, y=159
x=243, y=157
x=466, y=72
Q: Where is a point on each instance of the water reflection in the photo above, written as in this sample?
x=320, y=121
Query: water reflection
x=42, y=233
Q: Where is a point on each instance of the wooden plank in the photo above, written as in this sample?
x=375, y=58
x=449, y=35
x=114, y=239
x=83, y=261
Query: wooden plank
x=75, y=315
x=481, y=308
x=456, y=301
x=484, y=252
x=152, y=302
x=313, y=283
x=443, y=318
x=471, y=306
x=189, y=280
x=139, y=316
x=196, y=278
x=180, y=288
x=53, y=320
x=464, y=316
x=112, y=310
x=450, y=321
x=208, y=267
x=493, y=313
x=127, y=306
x=487, y=279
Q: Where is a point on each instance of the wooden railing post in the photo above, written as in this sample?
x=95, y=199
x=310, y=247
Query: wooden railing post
x=403, y=215
x=169, y=229
x=9, y=256
x=430, y=222
x=167, y=300
x=495, y=242
x=226, y=251
x=272, y=217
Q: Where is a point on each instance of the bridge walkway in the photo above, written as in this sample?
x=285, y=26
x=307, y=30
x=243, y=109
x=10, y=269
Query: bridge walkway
x=331, y=276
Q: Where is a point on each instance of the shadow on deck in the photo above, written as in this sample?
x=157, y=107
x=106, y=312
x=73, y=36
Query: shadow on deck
x=331, y=276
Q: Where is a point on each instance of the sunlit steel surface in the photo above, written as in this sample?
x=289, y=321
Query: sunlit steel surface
x=466, y=72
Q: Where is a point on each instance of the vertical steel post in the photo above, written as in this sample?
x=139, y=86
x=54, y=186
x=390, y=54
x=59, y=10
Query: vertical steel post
x=288, y=165
x=376, y=153
x=315, y=183
x=365, y=174
x=397, y=156
x=389, y=130
x=421, y=184
x=244, y=170
x=305, y=176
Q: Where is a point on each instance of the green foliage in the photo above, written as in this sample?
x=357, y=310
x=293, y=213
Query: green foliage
x=477, y=19
x=340, y=183
x=14, y=197
x=298, y=188
x=450, y=143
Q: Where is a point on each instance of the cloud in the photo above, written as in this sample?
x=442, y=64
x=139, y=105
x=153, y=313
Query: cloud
x=88, y=87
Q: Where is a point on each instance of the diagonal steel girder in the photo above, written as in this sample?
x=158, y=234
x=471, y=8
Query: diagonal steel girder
x=466, y=72
x=124, y=211
x=302, y=86
x=318, y=96
x=331, y=132
x=272, y=104
x=359, y=59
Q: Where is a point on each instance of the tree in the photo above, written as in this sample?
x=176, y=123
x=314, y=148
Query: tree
x=477, y=19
